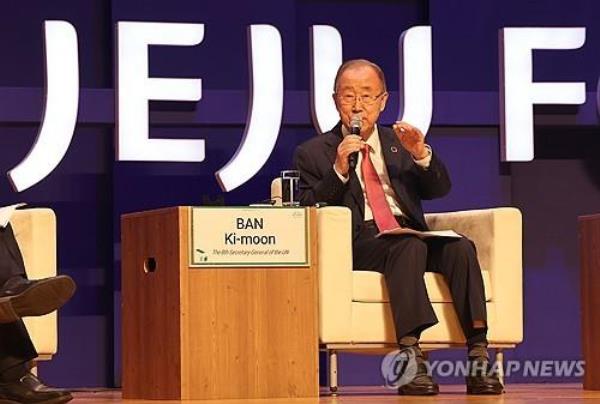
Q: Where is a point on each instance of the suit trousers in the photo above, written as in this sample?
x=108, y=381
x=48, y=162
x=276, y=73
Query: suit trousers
x=15, y=345
x=403, y=261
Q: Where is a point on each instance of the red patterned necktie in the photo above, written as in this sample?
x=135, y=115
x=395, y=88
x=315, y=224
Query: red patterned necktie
x=382, y=213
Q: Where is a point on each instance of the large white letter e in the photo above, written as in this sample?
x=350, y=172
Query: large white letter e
x=135, y=89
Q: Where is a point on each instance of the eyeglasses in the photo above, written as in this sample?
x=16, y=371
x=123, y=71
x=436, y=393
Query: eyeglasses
x=350, y=99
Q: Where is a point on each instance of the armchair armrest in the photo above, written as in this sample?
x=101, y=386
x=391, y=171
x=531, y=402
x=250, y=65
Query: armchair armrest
x=276, y=191
x=35, y=231
x=497, y=234
x=334, y=246
x=334, y=232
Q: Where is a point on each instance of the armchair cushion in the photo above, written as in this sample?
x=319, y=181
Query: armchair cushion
x=369, y=287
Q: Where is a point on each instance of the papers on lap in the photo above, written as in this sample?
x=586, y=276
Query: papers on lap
x=421, y=234
x=6, y=213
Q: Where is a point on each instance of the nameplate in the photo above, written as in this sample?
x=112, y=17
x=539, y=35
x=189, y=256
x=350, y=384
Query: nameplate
x=249, y=237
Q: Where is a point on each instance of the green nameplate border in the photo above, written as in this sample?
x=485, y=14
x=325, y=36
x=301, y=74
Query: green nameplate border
x=249, y=237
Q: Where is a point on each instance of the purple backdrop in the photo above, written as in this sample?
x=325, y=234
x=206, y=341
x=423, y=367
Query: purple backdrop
x=89, y=190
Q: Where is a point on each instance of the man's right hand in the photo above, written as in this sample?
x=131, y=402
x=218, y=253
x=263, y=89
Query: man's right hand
x=349, y=145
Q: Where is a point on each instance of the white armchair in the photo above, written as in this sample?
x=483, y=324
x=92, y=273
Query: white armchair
x=354, y=311
x=35, y=231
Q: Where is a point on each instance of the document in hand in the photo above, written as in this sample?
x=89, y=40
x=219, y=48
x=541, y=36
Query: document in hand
x=6, y=213
x=421, y=234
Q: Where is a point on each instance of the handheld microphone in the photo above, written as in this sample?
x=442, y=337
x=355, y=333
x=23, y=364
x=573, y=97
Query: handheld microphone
x=355, y=127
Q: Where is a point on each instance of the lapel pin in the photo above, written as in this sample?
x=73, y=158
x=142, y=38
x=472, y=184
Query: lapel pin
x=394, y=149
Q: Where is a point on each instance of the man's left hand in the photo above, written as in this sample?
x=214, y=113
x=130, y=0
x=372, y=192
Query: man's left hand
x=411, y=139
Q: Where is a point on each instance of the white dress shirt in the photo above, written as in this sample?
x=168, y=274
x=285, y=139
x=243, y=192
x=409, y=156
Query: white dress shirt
x=379, y=165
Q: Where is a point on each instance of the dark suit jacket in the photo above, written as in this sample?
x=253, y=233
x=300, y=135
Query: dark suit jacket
x=411, y=183
x=11, y=260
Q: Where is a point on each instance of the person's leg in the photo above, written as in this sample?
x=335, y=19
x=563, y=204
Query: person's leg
x=20, y=296
x=16, y=348
x=456, y=260
x=402, y=260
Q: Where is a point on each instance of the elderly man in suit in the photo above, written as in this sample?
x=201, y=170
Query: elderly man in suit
x=20, y=297
x=395, y=169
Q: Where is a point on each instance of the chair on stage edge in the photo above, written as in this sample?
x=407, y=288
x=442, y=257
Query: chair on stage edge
x=354, y=310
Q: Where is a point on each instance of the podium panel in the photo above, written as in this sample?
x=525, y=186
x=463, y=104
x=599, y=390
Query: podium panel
x=589, y=247
x=212, y=332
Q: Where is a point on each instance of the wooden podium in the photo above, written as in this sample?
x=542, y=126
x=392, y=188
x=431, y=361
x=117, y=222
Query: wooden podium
x=589, y=244
x=212, y=333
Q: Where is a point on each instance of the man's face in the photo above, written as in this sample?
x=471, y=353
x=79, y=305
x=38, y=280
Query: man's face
x=355, y=85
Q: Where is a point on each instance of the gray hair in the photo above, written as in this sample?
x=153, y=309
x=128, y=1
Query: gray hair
x=359, y=62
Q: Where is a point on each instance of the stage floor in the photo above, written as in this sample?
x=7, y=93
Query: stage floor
x=516, y=393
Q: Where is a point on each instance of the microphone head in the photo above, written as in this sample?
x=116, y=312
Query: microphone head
x=356, y=122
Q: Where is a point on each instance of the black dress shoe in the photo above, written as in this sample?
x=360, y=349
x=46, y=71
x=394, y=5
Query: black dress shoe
x=20, y=297
x=482, y=379
x=422, y=383
x=30, y=390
